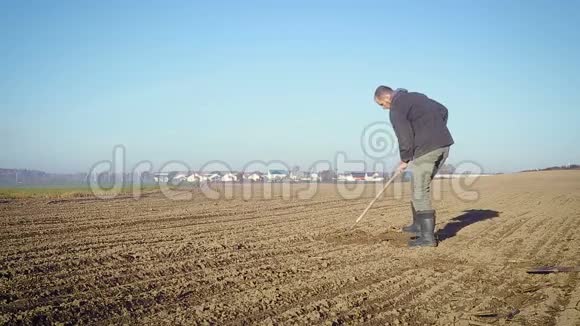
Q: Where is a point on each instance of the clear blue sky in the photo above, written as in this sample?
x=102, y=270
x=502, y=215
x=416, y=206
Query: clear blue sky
x=245, y=80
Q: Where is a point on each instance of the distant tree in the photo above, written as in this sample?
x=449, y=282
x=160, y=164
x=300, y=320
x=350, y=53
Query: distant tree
x=327, y=175
x=171, y=175
x=447, y=169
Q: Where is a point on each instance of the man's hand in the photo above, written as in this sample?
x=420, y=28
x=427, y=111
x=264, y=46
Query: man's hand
x=402, y=167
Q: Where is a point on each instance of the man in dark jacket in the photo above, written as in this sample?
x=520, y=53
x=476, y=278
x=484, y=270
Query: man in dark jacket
x=420, y=124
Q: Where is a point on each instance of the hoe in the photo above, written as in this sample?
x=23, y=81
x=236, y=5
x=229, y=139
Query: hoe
x=396, y=174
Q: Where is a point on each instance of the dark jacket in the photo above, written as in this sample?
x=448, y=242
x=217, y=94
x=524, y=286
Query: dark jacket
x=420, y=124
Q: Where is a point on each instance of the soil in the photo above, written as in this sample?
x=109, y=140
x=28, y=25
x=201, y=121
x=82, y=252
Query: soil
x=278, y=261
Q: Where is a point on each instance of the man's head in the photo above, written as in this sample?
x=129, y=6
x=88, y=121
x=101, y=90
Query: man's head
x=383, y=96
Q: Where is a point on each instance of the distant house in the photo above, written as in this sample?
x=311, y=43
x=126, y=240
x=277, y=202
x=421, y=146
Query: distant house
x=277, y=175
x=194, y=178
x=374, y=177
x=345, y=177
x=309, y=177
x=212, y=177
x=315, y=177
x=229, y=177
x=161, y=177
x=360, y=177
x=179, y=177
x=254, y=177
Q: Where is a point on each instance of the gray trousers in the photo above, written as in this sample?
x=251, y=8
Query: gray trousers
x=424, y=169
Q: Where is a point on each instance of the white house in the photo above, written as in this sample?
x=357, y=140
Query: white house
x=194, y=178
x=161, y=177
x=254, y=177
x=211, y=177
x=229, y=177
x=179, y=177
x=277, y=175
x=345, y=177
x=359, y=177
x=374, y=177
x=310, y=177
x=315, y=177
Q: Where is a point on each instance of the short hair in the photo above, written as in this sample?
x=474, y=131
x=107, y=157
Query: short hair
x=382, y=90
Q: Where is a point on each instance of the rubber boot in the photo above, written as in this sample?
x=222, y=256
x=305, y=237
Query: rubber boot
x=426, y=220
x=413, y=227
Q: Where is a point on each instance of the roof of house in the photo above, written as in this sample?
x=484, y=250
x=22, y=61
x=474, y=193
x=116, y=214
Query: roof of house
x=359, y=174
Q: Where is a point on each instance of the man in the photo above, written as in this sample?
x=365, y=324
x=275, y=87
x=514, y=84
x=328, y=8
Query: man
x=420, y=124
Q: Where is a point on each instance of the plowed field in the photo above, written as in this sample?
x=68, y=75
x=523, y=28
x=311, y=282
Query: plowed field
x=294, y=261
